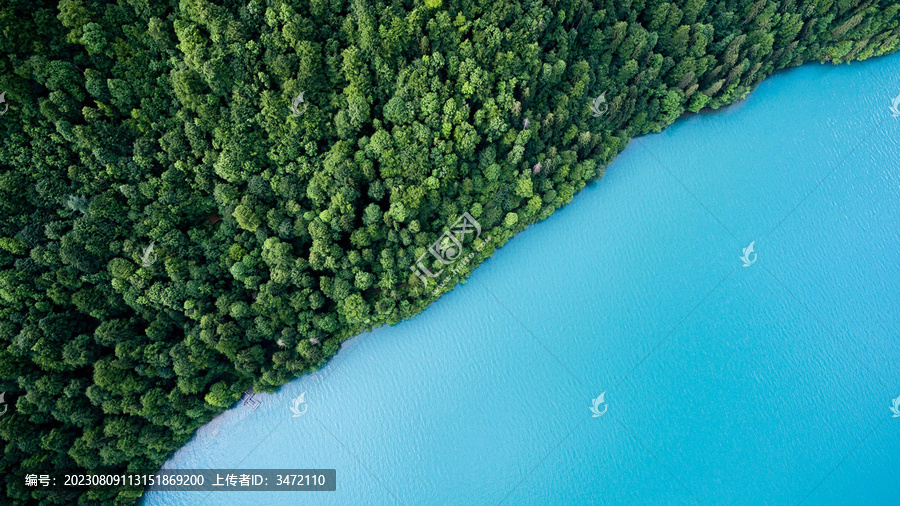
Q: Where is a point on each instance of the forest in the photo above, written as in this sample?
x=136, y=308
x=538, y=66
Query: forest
x=200, y=197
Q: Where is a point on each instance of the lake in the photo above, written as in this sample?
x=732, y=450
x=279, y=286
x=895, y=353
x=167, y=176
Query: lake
x=723, y=384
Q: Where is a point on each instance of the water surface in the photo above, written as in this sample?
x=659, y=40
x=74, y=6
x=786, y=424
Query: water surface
x=724, y=384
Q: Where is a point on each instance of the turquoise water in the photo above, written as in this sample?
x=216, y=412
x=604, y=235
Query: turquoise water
x=724, y=384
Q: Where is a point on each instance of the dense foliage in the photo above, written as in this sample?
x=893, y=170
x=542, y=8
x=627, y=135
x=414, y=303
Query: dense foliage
x=277, y=236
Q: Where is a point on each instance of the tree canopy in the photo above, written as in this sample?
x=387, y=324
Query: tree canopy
x=279, y=235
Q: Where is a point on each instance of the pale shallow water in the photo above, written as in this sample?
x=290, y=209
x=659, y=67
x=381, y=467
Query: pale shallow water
x=769, y=384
